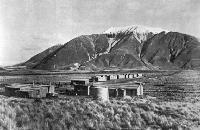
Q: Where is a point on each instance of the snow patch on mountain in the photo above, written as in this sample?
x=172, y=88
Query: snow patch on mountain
x=134, y=28
x=140, y=32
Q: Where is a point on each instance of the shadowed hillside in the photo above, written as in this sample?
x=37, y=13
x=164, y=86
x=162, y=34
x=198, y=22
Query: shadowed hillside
x=172, y=51
x=130, y=47
x=39, y=57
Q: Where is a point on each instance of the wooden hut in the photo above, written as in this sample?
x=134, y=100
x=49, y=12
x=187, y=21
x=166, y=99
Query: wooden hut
x=130, y=90
x=138, y=75
x=126, y=76
x=51, y=88
x=25, y=93
x=82, y=86
x=113, y=76
x=125, y=89
x=11, y=90
x=39, y=92
x=121, y=76
x=81, y=81
x=82, y=90
x=103, y=78
x=131, y=76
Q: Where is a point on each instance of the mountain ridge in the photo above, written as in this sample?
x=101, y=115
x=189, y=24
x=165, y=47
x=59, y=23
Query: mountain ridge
x=135, y=47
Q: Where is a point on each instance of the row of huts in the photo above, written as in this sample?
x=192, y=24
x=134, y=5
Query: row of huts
x=91, y=86
x=98, y=85
x=30, y=90
x=117, y=76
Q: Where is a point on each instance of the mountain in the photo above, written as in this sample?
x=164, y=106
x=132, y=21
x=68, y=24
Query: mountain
x=172, y=50
x=39, y=57
x=133, y=47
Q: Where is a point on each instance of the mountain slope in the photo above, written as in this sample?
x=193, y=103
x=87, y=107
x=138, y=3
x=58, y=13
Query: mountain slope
x=39, y=57
x=172, y=51
x=78, y=50
x=135, y=47
x=96, y=48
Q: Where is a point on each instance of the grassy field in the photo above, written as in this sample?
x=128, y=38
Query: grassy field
x=86, y=113
x=28, y=76
x=176, y=106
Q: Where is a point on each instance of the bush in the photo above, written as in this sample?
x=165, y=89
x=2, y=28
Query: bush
x=85, y=113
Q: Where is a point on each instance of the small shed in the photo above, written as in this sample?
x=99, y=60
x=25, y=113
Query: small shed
x=126, y=89
x=121, y=76
x=11, y=90
x=135, y=75
x=113, y=76
x=133, y=90
x=82, y=90
x=25, y=93
x=126, y=76
x=82, y=86
x=81, y=81
x=103, y=78
x=131, y=76
x=39, y=92
x=51, y=88
x=138, y=75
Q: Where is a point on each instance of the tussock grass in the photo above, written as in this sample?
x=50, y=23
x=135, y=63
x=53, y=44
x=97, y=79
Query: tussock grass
x=85, y=113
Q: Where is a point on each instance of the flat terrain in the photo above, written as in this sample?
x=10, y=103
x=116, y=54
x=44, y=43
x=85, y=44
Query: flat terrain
x=161, y=84
x=171, y=101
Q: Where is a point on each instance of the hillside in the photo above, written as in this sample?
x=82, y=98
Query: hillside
x=133, y=47
x=37, y=58
x=172, y=51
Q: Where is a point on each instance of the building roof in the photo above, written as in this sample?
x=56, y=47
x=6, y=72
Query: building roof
x=127, y=85
x=25, y=90
x=80, y=79
x=16, y=85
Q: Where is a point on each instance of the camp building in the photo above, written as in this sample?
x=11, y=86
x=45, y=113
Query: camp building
x=82, y=86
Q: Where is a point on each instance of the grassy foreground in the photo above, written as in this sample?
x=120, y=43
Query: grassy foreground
x=85, y=113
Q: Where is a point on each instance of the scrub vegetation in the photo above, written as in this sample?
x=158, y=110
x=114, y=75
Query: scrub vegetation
x=86, y=113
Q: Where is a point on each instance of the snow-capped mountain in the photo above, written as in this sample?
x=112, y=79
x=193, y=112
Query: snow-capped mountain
x=140, y=32
x=135, y=47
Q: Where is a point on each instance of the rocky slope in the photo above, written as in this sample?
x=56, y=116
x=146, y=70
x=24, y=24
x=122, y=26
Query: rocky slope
x=39, y=57
x=135, y=47
x=172, y=50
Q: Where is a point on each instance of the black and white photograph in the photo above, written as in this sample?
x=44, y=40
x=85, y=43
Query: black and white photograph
x=99, y=64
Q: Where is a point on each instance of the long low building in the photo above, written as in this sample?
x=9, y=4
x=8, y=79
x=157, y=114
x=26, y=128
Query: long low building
x=29, y=90
x=128, y=90
x=123, y=89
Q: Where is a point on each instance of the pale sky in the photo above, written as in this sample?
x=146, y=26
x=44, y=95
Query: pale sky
x=28, y=27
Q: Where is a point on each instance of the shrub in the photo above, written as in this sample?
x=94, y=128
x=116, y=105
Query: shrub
x=85, y=113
